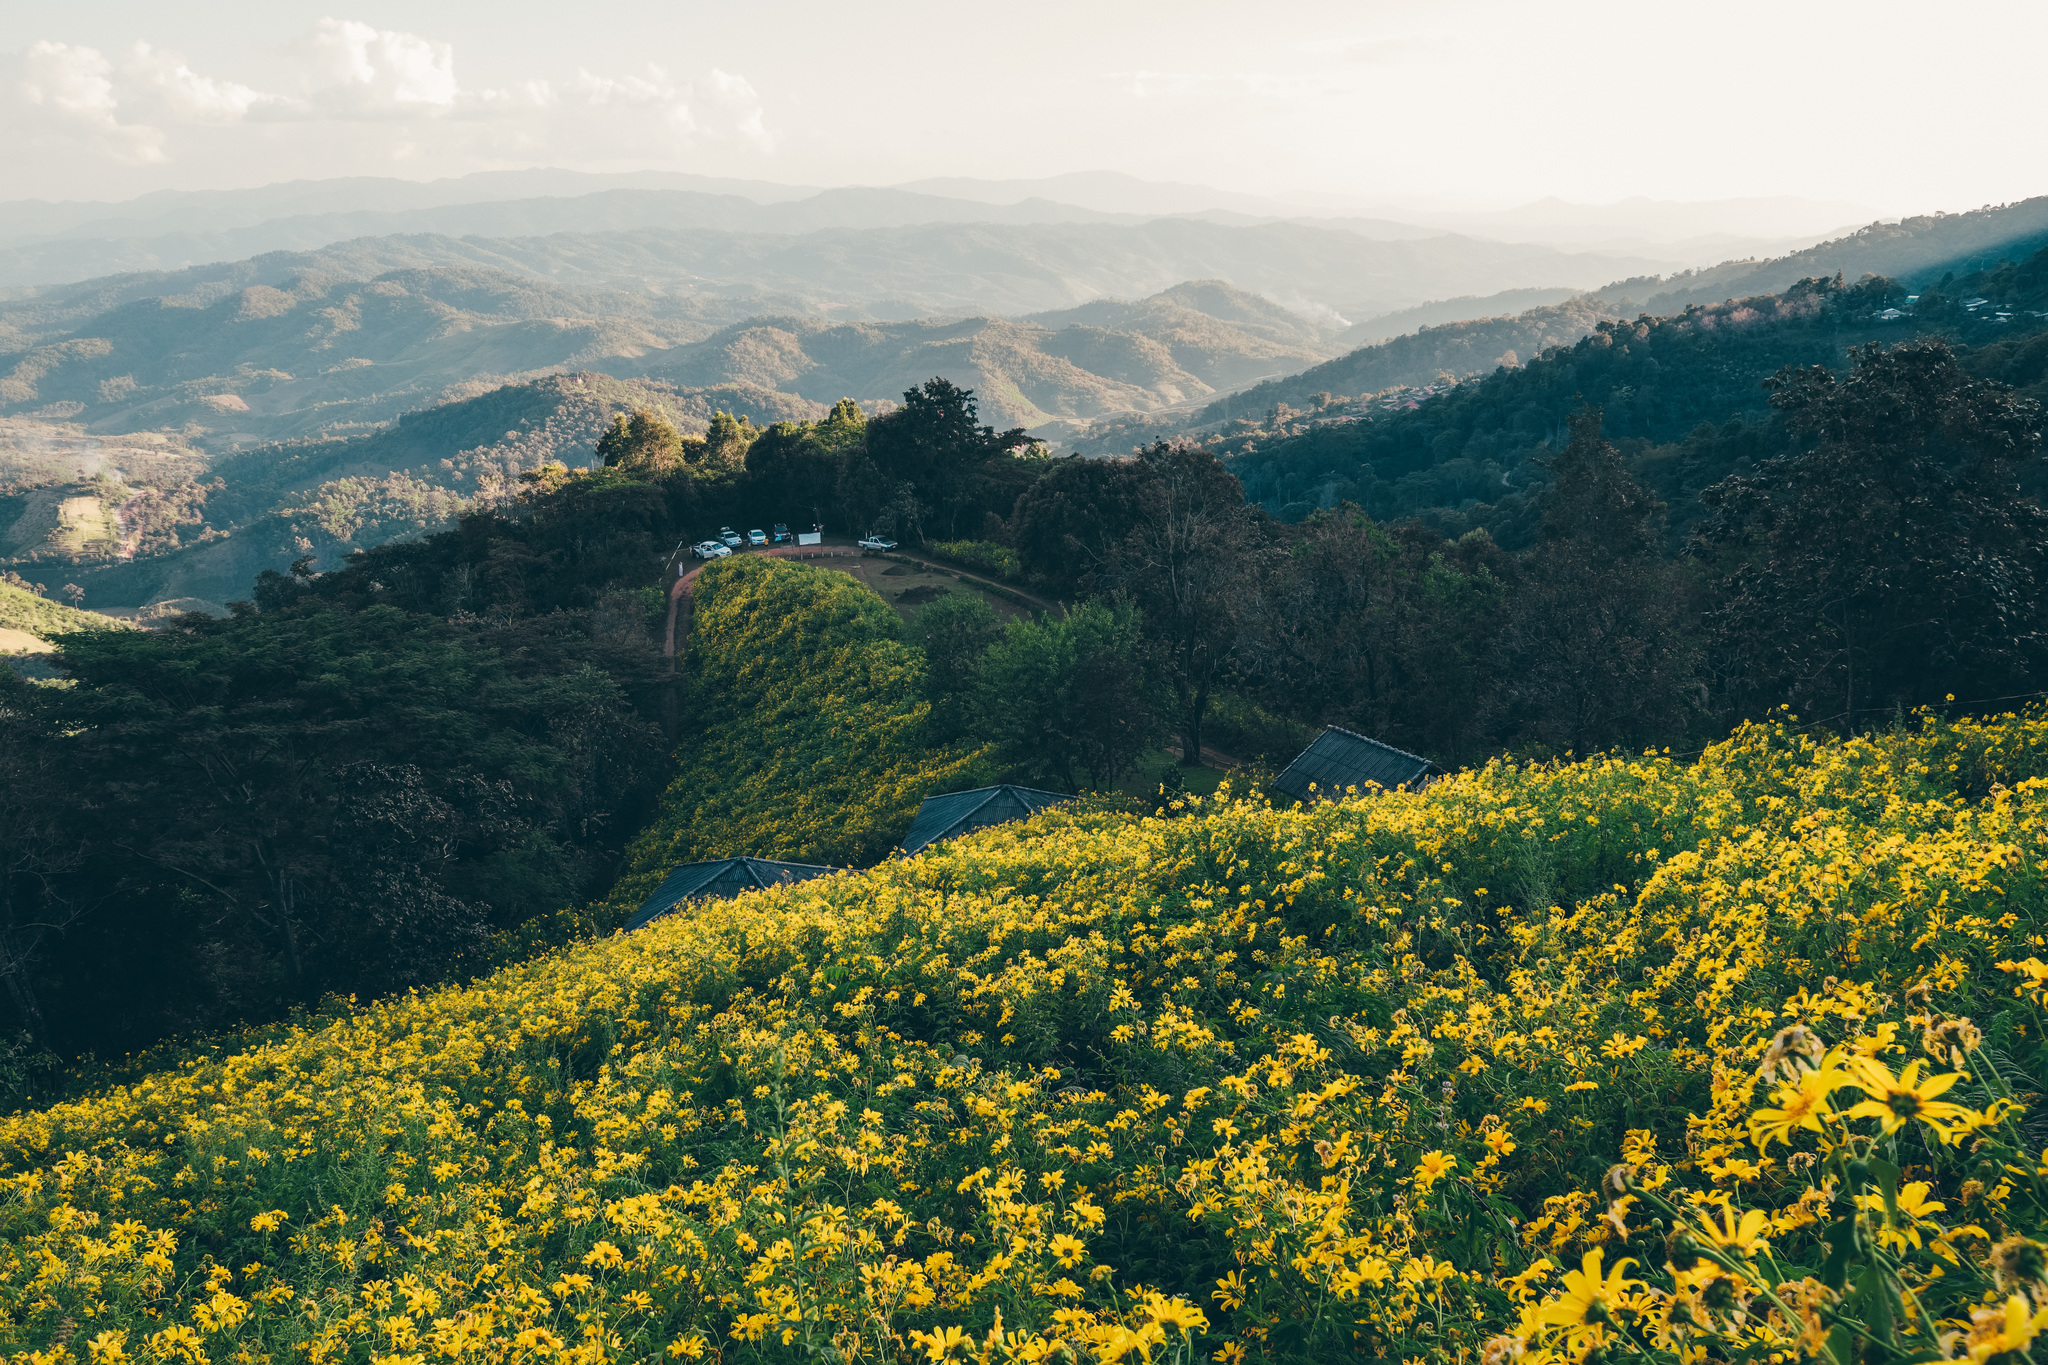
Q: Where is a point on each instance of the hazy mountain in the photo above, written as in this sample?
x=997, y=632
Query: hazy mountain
x=274, y=504
x=1405, y=320
x=1561, y=223
x=929, y=268
x=215, y=210
x=1913, y=251
x=1108, y=192
x=84, y=252
x=306, y=352
x=1448, y=350
x=1105, y=357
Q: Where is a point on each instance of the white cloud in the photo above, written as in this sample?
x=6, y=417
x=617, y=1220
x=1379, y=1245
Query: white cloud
x=69, y=93
x=163, y=88
x=347, y=72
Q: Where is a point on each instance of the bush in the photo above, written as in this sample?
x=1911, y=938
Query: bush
x=1350, y=1081
x=1248, y=732
x=999, y=560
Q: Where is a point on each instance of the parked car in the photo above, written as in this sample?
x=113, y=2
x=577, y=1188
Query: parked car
x=874, y=542
x=780, y=533
x=710, y=549
x=757, y=537
x=728, y=536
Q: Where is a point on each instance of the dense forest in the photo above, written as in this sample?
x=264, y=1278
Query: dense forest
x=1683, y=395
x=427, y=761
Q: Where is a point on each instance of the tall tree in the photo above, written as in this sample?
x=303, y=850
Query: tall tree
x=1596, y=648
x=1384, y=629
x=956, y=632
x=726, y=441
x=1892, y=563
x=1071, y=696
x=1067, y=525
x=645, y=443
x=1191, y=563
x=936, y=443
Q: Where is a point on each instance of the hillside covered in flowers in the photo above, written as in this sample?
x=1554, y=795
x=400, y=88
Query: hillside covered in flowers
x=1732, y=1058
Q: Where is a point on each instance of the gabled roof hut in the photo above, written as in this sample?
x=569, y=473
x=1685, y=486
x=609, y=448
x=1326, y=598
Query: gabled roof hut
x=942, y=817
x=720, y=879
x=1341, y=758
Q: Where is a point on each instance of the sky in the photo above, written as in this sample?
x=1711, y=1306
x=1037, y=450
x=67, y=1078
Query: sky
x=1463, y=103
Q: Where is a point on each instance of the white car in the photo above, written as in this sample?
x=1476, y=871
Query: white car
x=710, y=549
x=757, y=537
x=877, y=543
x=728, y=536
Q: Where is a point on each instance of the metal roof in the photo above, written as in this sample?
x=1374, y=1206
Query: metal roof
x=942, y=817
x=1341, y=758
x=720, y=878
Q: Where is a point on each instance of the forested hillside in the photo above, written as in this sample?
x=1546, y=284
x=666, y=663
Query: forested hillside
x=1446, y=352
x=1688, y=391
x=1915, y=251
x=484, y=711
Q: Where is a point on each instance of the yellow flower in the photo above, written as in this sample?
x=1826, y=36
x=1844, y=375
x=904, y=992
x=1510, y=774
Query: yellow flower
x=2003, y=1330
x=1897, y=1099
x=1069, y=1250
x=1744, y=1236
x=1434, y=1166
x=1802, y=1106
x=941, y=1344
x=1588, y=1297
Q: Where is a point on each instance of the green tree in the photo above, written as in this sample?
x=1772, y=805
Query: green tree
x=318, y=799
x=1596, y=648
x=955, y=632
x=644, y=443
x=843, y=429
x=958, y=468
x=1191, y=563
x=727, y=440
x=1072, y=696
x=1892, y=563
x=1068, y=525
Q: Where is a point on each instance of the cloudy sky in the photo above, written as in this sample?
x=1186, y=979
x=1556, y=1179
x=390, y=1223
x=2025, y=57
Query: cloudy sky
x=1466, y=102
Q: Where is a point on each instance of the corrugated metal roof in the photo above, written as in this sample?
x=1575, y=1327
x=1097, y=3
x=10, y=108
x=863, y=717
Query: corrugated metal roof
x=1340, y=758
x=720, y=878
x=942, y=817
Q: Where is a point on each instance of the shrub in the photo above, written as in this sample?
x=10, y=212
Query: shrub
x=999, y=560
x=1247, y=731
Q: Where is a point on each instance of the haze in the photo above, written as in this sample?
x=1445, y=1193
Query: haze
x=1330, y=106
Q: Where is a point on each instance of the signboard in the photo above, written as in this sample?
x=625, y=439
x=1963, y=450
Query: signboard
x=810, y=537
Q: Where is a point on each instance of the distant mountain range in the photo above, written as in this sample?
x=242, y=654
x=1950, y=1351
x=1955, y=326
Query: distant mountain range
x=319, y=401
x=1176, y=347
x=45, y=243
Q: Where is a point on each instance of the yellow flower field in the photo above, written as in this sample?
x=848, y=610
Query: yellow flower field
x=1729, y=1059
